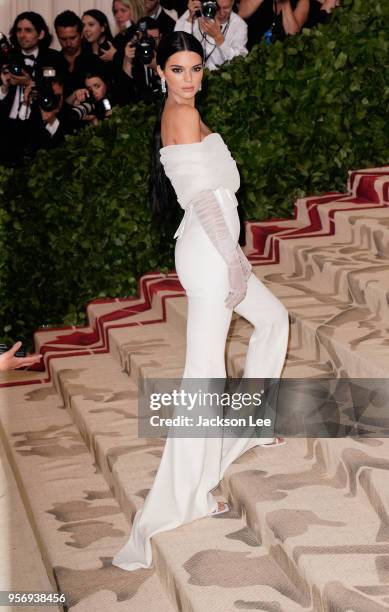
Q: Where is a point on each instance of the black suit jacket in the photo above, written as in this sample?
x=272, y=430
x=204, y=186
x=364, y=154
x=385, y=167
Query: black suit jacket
x=165, y=23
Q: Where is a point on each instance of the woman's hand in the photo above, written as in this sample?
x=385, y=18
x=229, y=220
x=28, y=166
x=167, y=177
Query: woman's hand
x=8, y=361
x=92, y=119
x=108, y=54
x=129, y=51
x=80, y=96
x=238, y=286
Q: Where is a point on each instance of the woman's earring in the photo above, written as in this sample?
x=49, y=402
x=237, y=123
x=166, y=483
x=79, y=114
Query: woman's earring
x=199, y=89
x=163, y=84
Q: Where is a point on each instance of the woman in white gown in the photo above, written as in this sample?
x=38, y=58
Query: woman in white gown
x=217, y=279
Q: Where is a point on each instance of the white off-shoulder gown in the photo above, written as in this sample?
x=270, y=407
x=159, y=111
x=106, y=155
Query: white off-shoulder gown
x=191, y=468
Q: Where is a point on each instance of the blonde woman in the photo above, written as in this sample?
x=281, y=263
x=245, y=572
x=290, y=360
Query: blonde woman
x=127, y=13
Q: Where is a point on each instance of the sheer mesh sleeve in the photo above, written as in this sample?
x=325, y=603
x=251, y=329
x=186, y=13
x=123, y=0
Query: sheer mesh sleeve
x=212, y=220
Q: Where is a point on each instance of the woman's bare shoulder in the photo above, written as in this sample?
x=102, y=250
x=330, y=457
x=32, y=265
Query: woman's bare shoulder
x=182, y=123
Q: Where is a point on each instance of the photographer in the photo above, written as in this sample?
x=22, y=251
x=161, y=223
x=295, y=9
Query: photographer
x=138, y=79
x=274, y=18
x=94, y=102
x=126, y=13
x=222, y=33
x=51, y=117
x=78, y=61
x=29, y=54
x=97, y=35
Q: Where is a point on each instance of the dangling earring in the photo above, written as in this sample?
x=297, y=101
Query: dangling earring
x=199, y=89
x=163, y=84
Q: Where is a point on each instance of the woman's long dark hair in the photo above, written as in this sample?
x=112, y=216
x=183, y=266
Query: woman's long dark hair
x=162, y=194
x=102, y=20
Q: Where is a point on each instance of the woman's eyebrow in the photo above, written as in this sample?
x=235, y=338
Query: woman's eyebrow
x=179, y=65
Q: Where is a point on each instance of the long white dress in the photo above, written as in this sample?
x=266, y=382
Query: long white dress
x=191, y=468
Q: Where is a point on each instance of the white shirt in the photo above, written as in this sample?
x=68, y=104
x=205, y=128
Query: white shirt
x=235, y=39
x=19, y=109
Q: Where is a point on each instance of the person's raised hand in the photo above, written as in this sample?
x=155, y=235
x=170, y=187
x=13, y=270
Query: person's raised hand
x=22, y=80
x=193, y=6
x=107, y=55
x=27, y=92
x=212, y=28
x=80, y=95
x=8, y=361
x=129, y=51
x=5, y=78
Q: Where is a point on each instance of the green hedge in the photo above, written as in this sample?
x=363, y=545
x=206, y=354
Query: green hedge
x=296, y=116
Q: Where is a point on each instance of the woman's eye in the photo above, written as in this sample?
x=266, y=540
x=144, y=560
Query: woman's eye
x=197, y=68
x=176, y=70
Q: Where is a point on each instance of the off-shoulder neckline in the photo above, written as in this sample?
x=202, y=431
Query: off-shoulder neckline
x=191, y=144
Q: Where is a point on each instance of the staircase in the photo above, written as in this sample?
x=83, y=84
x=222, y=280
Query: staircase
x=309, y=525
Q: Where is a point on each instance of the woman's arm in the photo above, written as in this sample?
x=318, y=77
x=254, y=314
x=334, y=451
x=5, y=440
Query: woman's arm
x=248, y=7
x=293, y=20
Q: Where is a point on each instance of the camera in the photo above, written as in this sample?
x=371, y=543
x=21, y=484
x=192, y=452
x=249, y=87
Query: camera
x=91, y=106
x=5, y=48
x=104, y=46
x=43, y=93
x=15, y=68
x=145, y=45
x=209, y=8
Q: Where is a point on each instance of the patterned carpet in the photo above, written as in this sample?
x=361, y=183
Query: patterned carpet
x=309, y=525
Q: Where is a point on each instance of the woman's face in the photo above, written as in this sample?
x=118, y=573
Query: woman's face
x=92, y=31
x=122, y=14
x=97, y=87
x=183, y=73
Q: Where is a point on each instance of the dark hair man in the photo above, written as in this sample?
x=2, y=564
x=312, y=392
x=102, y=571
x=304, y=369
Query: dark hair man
x=79, y=62
x=24, y=69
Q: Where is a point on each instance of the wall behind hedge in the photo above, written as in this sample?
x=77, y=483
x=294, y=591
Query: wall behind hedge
x=296, y=116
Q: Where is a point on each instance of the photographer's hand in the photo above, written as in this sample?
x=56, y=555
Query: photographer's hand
x=212, y=28
x=20, y=80
x=128, y=59
x=8, y=361
x=108, y=55
x=5, y=80
x=80, y=95
x=27, y=92
x=193, y=6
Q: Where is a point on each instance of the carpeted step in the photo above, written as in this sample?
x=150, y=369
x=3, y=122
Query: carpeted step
x=312, y=526
x=77, y=522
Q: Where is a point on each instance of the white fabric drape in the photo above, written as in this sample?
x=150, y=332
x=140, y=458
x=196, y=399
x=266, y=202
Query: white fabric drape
x=9, y=9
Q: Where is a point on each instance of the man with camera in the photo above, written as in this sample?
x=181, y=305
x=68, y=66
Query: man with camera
x=222, y=32
x=138, y=79
x=23, y=63
x=78, y=61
